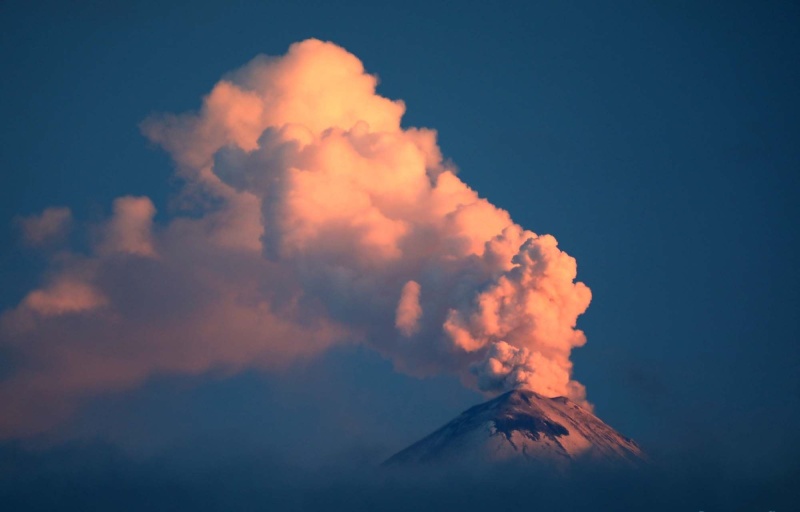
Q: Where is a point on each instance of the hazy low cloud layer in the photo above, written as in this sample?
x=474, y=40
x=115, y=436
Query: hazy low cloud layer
x=98, y=477
x=308, y=218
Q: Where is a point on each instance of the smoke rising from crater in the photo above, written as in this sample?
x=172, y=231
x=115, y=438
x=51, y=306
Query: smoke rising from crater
x=309, y=217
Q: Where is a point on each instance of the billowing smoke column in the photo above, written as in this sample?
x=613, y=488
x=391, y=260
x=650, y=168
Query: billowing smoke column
x=308, y=218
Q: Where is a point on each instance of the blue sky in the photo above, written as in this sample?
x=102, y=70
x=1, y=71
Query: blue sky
x=659, y=142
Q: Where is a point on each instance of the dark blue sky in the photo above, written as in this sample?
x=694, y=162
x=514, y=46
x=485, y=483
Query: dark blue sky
x=658, y=141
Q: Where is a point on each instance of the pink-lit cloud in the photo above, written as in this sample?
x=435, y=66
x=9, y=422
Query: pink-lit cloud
x=49, y=226
x=408, y=309
x=312, y=219
x=129, y=229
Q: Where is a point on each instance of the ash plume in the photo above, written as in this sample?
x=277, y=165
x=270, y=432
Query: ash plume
x=308, y=217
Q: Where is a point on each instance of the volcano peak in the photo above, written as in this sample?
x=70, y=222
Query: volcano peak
x=522, y=425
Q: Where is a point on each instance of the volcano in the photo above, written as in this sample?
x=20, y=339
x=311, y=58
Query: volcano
x=523, y=426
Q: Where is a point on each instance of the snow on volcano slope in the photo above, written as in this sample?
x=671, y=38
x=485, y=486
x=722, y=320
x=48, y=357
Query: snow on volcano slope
x=524, y=426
